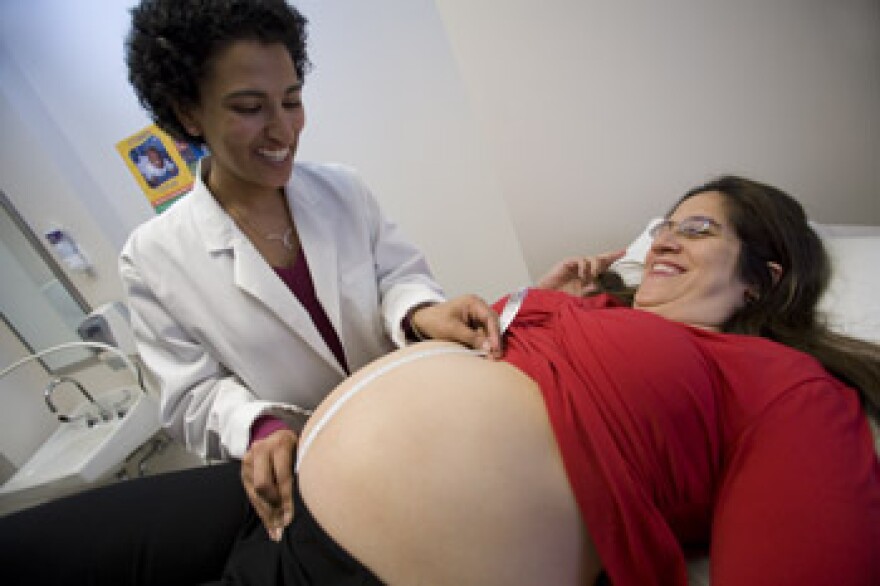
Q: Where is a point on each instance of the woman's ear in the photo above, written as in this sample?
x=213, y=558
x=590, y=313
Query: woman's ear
x=752, y=292
x=776, y=271
x=187, y=120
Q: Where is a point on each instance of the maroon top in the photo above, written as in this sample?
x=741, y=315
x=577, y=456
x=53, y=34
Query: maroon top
x=298, y=279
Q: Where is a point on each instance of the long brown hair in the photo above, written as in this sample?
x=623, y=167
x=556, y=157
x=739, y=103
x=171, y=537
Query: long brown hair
x=773, y=228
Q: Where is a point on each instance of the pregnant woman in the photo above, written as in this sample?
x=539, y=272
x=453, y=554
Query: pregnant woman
x=610, y=439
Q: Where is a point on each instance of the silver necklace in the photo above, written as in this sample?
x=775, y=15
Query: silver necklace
x=285, y=238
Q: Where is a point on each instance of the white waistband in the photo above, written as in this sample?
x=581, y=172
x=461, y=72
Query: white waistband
x=305, y=442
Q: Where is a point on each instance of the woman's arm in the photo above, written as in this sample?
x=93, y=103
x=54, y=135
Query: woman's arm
x=404, y=279
x=406, y=286
x=799, y=502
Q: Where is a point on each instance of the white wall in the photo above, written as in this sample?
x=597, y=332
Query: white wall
x=502, y=134
x=598, y=114
x=385, y=96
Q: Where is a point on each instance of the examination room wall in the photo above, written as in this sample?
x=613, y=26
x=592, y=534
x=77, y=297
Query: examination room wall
x=597, y=115
x=501, y=134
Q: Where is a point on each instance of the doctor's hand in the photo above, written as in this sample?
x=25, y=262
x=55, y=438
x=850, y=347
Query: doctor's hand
x=579, y=275
x=468, y=320
x=267, y=475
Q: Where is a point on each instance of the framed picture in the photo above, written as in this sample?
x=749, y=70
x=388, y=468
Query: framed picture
x=163, y=167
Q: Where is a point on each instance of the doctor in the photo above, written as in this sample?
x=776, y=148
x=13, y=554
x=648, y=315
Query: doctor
x=251, y=298
x=258, y=292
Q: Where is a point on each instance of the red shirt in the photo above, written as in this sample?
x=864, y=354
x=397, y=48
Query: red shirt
x=674, y=436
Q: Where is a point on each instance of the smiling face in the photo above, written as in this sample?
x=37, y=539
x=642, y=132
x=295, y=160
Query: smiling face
x=692, y=278
x=250, y=114
x=155, y=157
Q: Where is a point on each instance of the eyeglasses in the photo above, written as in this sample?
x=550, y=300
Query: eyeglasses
x=690, y=228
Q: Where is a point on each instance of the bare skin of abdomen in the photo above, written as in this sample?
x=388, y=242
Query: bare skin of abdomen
x=445, y=471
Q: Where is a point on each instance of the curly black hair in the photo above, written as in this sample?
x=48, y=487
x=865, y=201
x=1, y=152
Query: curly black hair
x=171, y=43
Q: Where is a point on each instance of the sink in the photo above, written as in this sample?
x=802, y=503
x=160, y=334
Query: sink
x=77, y=454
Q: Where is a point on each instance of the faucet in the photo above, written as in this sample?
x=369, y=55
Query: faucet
x=50, y=388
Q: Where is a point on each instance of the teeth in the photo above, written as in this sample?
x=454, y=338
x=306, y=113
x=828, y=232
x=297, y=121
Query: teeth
x=665, y=268
x=276, y=156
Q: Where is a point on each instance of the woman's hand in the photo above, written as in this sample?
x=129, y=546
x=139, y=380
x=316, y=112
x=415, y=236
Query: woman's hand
x=468, y=320
x=578, y=275
x=267, y=475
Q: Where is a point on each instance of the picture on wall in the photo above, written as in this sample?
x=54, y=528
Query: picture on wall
x=163, y=167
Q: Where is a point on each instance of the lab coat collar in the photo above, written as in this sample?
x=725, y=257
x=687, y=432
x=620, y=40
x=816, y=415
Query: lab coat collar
x=217, y=228
x=255, y=277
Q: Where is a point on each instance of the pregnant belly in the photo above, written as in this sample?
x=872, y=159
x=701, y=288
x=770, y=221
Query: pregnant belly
x=444, y=470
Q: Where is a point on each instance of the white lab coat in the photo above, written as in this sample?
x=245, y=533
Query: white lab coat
x=224, y=338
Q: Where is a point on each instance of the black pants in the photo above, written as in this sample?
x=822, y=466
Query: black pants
x=165, y=530
x=306, y=556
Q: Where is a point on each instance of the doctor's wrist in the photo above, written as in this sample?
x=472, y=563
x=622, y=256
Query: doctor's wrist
x=410, y=331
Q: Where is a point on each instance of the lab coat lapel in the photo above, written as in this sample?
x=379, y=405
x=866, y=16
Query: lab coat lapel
x=252, y=274
x=256, y=278
x=319, y=242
